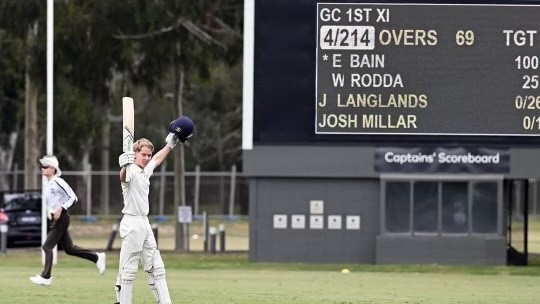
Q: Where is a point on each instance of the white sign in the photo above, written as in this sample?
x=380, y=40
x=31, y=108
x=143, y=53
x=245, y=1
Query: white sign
x=185, y=214
x=280, y=221
x=316, y=222
x=353, y=222
x=334, y=222
x=316, y=207
x=298, y=221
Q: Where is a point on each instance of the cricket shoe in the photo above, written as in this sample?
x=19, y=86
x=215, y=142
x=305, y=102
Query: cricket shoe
x=39, y=280
x=101, y=262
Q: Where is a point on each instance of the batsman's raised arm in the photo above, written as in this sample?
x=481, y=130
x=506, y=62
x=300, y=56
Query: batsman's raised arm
x=180, y=130
x=171, y=141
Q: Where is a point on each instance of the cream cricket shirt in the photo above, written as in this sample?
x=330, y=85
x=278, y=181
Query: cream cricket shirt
x=136, y=188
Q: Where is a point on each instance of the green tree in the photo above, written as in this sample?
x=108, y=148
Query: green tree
x=185, y=41
x=89, y=60
x=165, y=54
x=11, y=99
x=23, y=24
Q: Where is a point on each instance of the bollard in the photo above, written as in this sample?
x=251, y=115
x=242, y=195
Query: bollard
x=114, y=231
x=213, y=235
x=205, y=231
x=3, y=237
x=222, y=237
x=155, y=231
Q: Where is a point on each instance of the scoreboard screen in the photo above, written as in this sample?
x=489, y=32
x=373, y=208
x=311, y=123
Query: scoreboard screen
x=368, y=72
x=428, y=69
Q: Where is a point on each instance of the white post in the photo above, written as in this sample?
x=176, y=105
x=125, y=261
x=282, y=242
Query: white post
x=249, y=58
x=50, y=66
x=50, y=73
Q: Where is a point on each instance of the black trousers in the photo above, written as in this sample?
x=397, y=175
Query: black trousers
x=59, y=235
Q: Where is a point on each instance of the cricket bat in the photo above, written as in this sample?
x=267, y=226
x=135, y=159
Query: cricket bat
x=128, y=121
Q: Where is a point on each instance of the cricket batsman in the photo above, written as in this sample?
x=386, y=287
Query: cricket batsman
x=138, y=240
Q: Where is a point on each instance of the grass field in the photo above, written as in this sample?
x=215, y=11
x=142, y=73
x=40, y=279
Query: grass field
x=230, y=278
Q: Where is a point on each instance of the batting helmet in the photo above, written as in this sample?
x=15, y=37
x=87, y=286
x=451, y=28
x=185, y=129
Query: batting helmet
x=183, y=128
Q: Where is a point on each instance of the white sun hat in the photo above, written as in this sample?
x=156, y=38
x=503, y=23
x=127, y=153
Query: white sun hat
x=51, y=161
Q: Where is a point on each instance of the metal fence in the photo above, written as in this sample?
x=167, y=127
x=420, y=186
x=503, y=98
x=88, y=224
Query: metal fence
x=218, y=193
x=224, y=193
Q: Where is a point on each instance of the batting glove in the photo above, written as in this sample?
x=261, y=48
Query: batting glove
x=126, y=158
x=171, y=140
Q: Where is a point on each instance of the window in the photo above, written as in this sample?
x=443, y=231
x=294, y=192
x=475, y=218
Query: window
x=449, y=207
x=425, y=206
x=455, y=208
x=484, y=207
x=398, y=208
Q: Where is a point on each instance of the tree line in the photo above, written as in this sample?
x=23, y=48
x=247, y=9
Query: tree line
x=173, y=57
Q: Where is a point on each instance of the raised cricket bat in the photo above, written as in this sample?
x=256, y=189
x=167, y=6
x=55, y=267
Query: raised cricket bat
x=128, y=121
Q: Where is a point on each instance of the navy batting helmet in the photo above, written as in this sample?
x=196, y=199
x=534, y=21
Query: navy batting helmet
x=183, y=128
